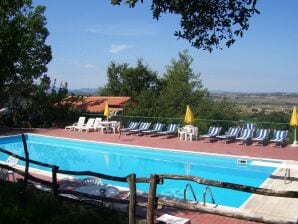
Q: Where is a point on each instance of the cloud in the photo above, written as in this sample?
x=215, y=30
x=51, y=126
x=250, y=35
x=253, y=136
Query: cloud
x=117, y=30
x=89, y=66
x=117, y=48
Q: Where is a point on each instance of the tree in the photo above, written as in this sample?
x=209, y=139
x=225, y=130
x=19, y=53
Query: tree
x=23, y=51
x=180, y=86
x=48, y=104
x=129, y=81
x=205, y=23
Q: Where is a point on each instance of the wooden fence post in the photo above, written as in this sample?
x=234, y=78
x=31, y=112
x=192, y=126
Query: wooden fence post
x=131, y=179
x=26, y=162
x=54, y=180
x=151, y=198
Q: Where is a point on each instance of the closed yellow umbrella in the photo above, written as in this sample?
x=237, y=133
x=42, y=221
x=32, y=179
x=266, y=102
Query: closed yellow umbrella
x=189, y=118
x=107, y=110
x=294, y=123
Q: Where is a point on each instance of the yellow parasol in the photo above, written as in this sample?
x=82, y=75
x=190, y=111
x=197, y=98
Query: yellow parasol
x=189, y=118
x=107, y=110
x=294, y=123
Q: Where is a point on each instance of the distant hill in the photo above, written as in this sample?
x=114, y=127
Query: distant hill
x=83, y=91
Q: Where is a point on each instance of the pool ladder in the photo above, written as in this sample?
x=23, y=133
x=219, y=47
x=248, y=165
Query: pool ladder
x=207, y=189
x=192, y=191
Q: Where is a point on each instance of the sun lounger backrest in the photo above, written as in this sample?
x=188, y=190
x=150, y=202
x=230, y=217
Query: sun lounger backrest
x=230, y=131
x=249, y=126
x=159, y=127
x=81, y=121
x=280, y=135
x=234, y=132
x=156, y=126
x=213, y=131
x=147, y=125
x=217, y=131
x=262, y=133
x=246, y=133
x=210, y=130
x=97, y=122
x=90, y=122
x=142, y=125
x=135, y=125
x=172, y=127
x=132, y=124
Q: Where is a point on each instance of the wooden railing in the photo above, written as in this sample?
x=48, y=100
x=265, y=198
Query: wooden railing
x=153, y=200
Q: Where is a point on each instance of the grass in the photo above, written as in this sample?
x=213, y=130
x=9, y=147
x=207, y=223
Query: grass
x=39, y=207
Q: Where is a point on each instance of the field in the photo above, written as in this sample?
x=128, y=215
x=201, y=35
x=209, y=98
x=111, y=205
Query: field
x=256, y=102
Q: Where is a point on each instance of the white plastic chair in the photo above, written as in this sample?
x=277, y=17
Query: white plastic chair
x=115, y=126
x=192, y=134
x=182, y=132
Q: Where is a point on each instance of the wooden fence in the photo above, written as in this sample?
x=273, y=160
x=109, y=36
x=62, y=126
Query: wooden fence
x=153, y=199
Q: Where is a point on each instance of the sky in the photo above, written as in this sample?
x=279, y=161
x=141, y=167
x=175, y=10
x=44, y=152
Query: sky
x=85, y=36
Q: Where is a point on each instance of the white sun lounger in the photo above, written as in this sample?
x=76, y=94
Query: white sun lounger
x=170, y=219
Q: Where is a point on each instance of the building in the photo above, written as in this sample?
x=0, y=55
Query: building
x=96, y=104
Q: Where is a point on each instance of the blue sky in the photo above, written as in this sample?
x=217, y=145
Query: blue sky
x=86, y=36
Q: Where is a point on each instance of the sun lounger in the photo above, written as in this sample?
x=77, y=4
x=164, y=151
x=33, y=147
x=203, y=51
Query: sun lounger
x=212, y=133
x=230, y=135
x=170, y=219
x=157, y=127
x=249, y=126
x=131, y=126
x=96, y=125
x=279, y=137
x=262, y=136
x=172, y=129
x=80, y=123
x=143, y=127
x=245, y=136
x=86, y=127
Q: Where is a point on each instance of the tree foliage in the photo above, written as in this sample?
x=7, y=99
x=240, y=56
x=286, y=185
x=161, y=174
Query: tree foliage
x=23, y=54
x=180, y=86
x=124, y=80
x=168, y=95
x=205, y=23
x=25, y=87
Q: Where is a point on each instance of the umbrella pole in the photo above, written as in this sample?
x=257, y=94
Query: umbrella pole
x=295, y=135
x=295, y=143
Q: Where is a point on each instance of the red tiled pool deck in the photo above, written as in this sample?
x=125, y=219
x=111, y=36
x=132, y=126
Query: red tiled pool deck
x=232, y=149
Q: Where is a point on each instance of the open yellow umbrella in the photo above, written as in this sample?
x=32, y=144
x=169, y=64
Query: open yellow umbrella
x=107, y=110
x=189, y=118
x=294, y=123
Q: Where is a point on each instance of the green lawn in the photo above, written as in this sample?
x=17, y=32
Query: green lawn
x=39, y=207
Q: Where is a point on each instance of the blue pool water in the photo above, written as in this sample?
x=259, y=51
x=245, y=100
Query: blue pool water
x=121, y=160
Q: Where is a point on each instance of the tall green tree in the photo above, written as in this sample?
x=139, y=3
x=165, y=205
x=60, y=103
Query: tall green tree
x=23, y=51
x=124, y=80
x=180, y=86
x=205, y=23
x=139, y=82
x=25, y=88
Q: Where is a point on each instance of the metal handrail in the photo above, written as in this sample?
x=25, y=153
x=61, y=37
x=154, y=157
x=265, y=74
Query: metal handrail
x=192, y=191
x=210, y=193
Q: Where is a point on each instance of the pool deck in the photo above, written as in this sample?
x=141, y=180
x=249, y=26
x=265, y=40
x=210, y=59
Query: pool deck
x=284, y=209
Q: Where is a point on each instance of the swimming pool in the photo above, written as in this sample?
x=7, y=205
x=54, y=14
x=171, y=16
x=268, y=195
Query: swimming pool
x=121, y=160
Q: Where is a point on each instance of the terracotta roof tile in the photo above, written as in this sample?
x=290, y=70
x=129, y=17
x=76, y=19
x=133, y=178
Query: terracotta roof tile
x=97, y=103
